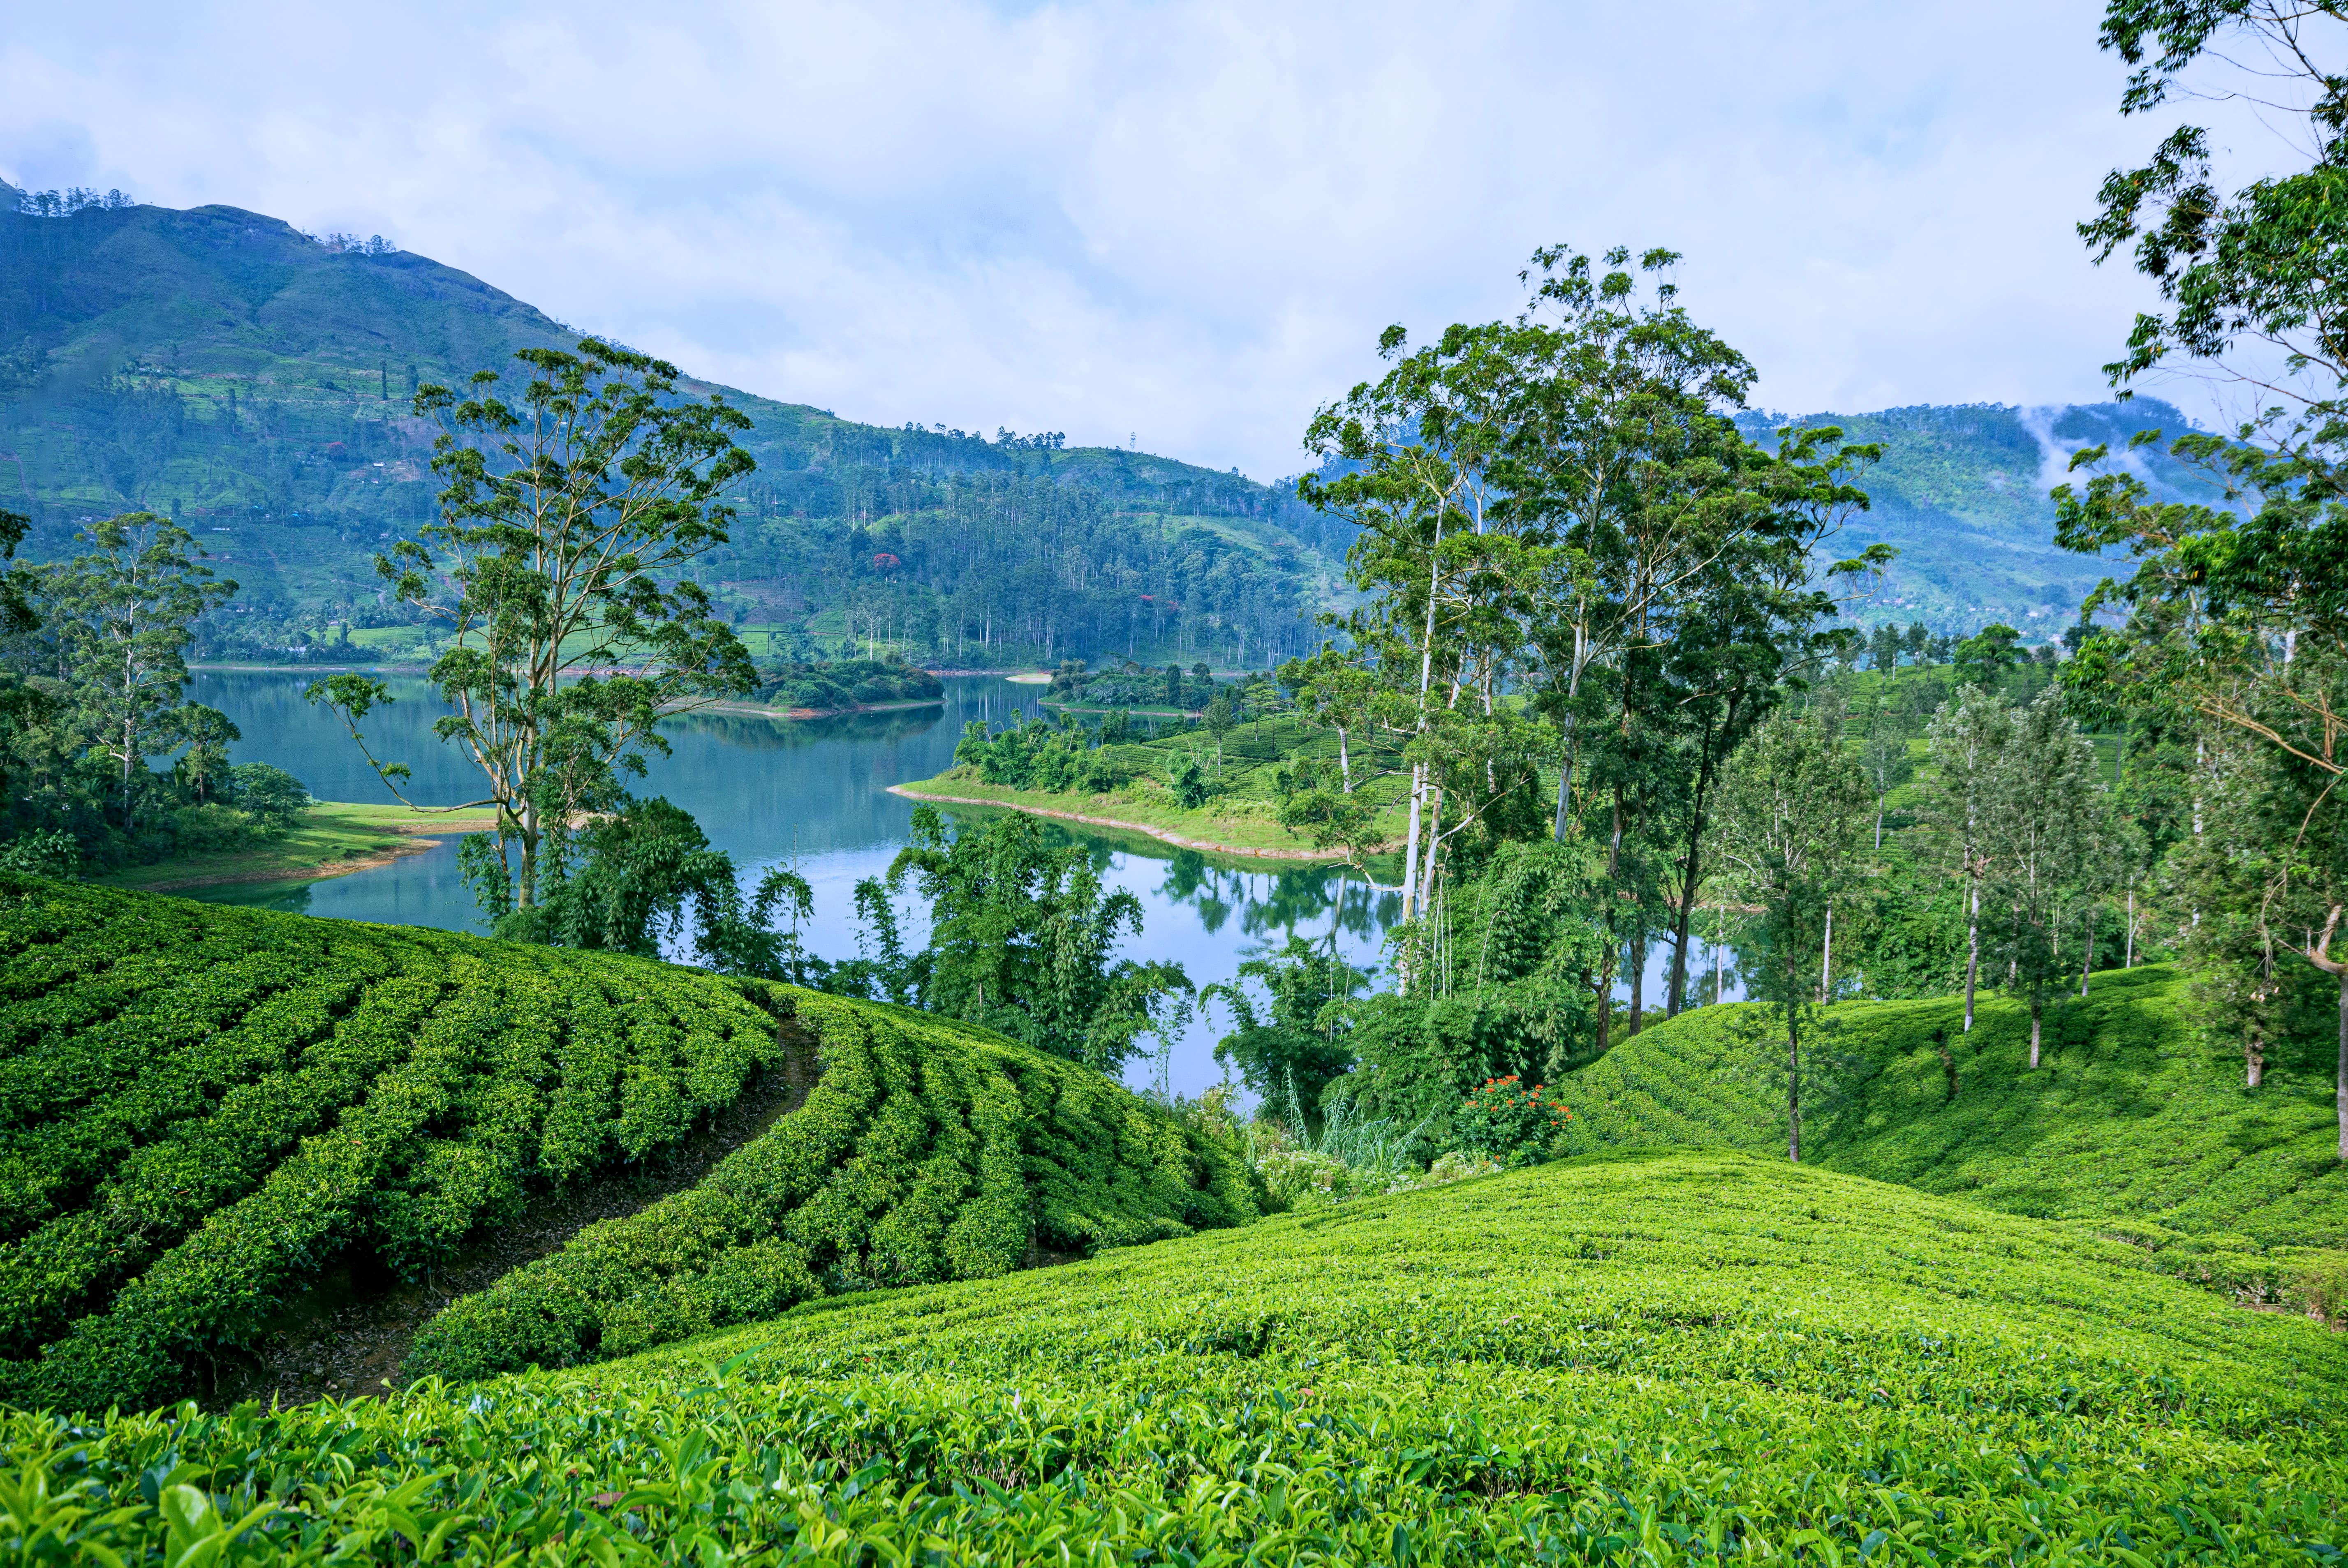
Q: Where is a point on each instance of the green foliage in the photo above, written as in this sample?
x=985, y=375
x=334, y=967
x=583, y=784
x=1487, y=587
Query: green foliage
x=201, y=1107
x=1297, y=1044
x=929, y=1152
x=273, y=798
x=625, y=880
x=1667, y=1359
x=1020, y=937
x=1505, y=1120
x=1507, y=993
x=846, y=683
x=2133, y=1119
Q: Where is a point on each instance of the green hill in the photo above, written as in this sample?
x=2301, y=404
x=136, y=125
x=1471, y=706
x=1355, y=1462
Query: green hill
x=1671, y=1358
x=255, y=383
x=2135, y=1124
x=1962, y=491
x=208, y=1114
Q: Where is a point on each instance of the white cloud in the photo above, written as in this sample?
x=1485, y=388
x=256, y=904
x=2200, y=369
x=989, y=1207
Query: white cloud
x=1187, y=220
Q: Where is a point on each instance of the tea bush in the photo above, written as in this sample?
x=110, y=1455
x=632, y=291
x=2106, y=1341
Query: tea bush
x=1672, y=1358
x=929, y=1151
x=2135, y=1124
x=201, y=1107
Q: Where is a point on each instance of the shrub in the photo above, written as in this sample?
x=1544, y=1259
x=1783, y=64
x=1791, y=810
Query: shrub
x=1508, y=1121
x=272, y=798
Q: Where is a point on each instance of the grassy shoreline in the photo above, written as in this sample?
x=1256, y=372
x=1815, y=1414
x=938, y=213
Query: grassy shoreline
x=335, y=838
x=1250, y=838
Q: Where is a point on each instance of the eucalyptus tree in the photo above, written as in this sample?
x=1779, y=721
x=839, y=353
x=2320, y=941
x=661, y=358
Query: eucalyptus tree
x=118, y=617
x=1883, y=752
x=1793, y=806
x=1966, y=741
x=2046, y=838
x=2238, y=613
x=1426, y=447
x=570, y=514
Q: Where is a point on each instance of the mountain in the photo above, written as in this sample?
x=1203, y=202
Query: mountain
x=255, y=382
x=1961, y=492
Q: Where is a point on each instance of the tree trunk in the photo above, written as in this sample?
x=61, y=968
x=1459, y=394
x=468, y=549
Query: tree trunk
x=1344, y=762
x=2254, y=1058
x=1638, y=980
x=2033, y=1030
x=1410, y=839
x=2087, y=954
x=1793, y=1067
x=1973, y=951
x=1825, y=965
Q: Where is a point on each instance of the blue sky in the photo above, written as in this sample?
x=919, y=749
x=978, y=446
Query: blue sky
x=1184, y=223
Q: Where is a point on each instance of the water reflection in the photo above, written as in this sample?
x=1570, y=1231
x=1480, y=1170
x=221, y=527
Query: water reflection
x=814, y=793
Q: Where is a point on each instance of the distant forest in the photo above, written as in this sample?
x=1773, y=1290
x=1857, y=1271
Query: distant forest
x=254, y=384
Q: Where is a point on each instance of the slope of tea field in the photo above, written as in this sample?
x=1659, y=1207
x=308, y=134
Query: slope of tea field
x=204, y=1110
x=1648, y=1359
x=2133, y=1123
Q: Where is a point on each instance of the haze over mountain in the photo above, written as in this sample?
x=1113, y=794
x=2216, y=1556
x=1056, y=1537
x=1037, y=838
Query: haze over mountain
x=255, y=382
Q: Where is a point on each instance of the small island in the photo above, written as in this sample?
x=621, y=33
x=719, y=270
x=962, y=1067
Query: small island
x=826, y=688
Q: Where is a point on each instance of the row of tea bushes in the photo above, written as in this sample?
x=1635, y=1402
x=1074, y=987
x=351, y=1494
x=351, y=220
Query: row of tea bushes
x=1677, y=1359
x=2133, y=1117
x=202, y=1107
x=929, y=1151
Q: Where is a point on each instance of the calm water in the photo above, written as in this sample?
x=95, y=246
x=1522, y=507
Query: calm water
x=816, y=790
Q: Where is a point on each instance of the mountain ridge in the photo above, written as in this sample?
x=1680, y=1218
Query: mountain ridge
x=255, y=380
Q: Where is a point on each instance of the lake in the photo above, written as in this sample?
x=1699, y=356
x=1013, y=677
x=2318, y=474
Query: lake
x=815, y=792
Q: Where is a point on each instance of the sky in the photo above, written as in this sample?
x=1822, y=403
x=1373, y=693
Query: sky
x=1180, y=224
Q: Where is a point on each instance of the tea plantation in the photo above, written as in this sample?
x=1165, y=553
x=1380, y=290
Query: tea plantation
x=827, y=1351
x=202, y=1106
x=1652, y=1358
x=2133, y=1125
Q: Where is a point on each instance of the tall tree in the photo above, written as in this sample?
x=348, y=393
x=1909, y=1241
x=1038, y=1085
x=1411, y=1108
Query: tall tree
x=570, y=514
x=2047, y=837
x=2238, y=614
x=1967, y=740
x=1793, y=807
x=119, y=614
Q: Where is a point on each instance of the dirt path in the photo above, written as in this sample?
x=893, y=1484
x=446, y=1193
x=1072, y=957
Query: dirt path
x=1161, y=834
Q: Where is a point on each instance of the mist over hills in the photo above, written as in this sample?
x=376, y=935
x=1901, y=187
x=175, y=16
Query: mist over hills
x=255, y=382
x=1962, y=493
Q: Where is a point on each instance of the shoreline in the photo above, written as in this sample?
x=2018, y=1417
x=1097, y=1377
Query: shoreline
x=760, y=711
x=391, y=842
x=1162, y=834
x=325, y=870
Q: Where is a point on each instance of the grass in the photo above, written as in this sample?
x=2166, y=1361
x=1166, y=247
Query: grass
x=203, y=1108
x=2135, y=1124
x=333, y=837
x=1241, y=817
x=1685, y=1357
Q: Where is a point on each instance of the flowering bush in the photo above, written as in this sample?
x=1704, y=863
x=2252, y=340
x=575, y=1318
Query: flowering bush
x=1508, y=1122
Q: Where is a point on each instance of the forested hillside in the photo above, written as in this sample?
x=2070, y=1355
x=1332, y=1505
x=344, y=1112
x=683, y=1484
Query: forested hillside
x=255, y=383
x=1961, y=492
